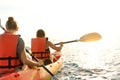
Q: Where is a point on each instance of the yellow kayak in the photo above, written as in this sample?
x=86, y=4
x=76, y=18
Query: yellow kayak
x=36, y=74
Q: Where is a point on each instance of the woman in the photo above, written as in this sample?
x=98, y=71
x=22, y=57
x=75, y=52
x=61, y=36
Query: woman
x=40, y=47
x=12, y=49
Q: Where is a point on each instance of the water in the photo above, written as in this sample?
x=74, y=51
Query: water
x=75, y=68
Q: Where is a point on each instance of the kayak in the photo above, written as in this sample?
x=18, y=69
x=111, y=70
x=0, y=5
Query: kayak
x=37, y=74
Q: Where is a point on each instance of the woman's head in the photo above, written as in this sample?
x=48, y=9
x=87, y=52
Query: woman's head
x=11, y=24
x=40, y=33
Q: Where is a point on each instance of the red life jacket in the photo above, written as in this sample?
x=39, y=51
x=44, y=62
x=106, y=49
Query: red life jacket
x=38, y=46
x=8, y=57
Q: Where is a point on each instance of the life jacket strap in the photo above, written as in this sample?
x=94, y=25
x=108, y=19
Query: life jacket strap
x=9, y=59
x=42, y=55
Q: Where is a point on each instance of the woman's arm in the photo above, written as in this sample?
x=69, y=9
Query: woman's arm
x=57, y=48
x=27, y=60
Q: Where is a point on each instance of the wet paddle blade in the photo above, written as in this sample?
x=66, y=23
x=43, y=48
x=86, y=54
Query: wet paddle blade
x=91, y=37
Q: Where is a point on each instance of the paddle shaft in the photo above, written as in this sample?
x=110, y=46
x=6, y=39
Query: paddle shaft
x=67, y=42
x=1, y=26
x=38, y=61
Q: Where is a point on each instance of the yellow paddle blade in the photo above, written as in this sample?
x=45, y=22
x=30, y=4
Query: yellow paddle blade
x=90, y=37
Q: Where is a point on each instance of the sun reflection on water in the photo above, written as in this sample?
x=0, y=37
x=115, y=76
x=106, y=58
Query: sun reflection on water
x=94, y=54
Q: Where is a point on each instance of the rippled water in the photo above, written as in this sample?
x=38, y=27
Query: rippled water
x=76, y=67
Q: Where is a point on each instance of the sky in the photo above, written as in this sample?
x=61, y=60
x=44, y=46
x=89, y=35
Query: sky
x=64, y=19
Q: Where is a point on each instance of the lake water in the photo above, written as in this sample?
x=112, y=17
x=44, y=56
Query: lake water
x=80, y=64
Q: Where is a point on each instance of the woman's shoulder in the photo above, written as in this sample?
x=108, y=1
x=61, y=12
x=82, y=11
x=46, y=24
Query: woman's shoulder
x=20, y=39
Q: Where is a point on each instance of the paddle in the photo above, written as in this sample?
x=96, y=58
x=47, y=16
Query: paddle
x=34, y=57
x=90, y=37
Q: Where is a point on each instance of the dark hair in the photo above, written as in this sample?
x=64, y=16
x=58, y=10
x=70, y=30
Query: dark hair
x=11, y=24
x=40, y=33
